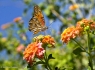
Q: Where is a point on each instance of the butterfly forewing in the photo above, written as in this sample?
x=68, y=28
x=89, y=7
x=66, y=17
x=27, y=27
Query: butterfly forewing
x=37, y=23
x=39, y=15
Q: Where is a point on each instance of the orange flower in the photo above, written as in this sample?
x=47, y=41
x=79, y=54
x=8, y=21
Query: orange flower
x=5, y=26
x=69, y=33
x=73, y=7
x=92, y=25
x=33, y=49
x=48, y=40
x=83, y=23
x=17, y=19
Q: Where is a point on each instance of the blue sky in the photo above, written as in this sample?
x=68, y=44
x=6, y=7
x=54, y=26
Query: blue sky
x=10, y=9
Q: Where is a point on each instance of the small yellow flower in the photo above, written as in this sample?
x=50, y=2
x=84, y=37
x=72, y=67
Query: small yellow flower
x=38, y=38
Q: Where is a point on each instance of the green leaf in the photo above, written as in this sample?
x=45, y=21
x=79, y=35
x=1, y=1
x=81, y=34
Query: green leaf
x=77, y=51
x=28, y=66
x=48, y=10
x=27, y=2
x=89, y=68
x=50, y=57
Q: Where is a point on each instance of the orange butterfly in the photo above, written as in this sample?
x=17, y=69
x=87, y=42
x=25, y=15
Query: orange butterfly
x=37, y=22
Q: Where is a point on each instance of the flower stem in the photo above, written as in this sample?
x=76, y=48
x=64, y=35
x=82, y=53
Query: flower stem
x=80, y=46
x=46, y=62
x=89, y=51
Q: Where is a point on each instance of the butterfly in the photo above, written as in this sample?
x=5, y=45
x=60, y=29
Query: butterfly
x=37, y=22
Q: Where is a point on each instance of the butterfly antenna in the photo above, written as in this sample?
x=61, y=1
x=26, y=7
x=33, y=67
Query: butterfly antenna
x=51, y=23
x=50, y=28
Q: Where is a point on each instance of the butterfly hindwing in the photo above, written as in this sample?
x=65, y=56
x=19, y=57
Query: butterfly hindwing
x=33, y=25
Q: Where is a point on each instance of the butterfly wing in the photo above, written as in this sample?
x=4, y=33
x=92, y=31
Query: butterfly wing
x=39, y=15
x=37, y=23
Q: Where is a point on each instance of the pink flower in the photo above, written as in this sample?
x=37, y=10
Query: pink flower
x=20, y=48
x=40, y=51
x=5, y=26
x=17, y=19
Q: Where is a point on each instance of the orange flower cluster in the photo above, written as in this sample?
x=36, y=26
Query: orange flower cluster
x=45, y=39
x=72, y=32
x=84, y=23
x=73, y=7
x=33, y=50
x=48, y=40
x=36, y=48
x=69, y=33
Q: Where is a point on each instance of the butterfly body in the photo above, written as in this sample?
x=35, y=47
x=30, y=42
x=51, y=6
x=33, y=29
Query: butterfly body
x=37, y=22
